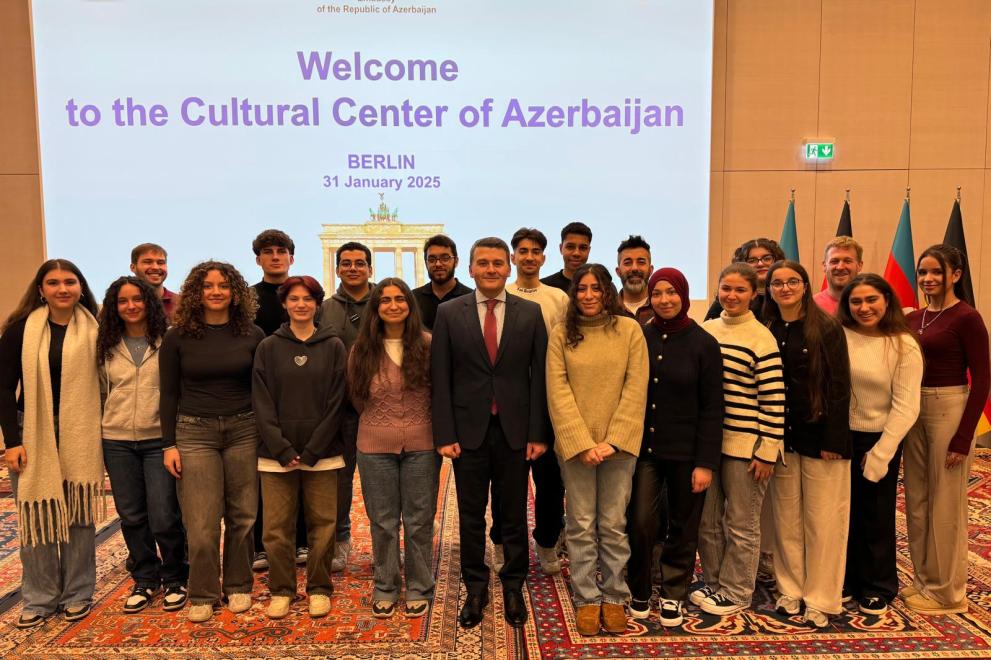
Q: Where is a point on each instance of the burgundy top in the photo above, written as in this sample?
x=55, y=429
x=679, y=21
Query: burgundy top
x=953, y=342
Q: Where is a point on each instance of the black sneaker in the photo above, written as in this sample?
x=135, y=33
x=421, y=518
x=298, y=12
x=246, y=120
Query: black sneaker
x=720, y=605
x=139, y=599
x=30, y=620
x=78, y=613
x=873, y=605
x=383, y=609
x=260, y=562
x=700, y=594
x=302, y=554
x=847, y=596
x=639, y=609
x=671, y=613
x=175, y=598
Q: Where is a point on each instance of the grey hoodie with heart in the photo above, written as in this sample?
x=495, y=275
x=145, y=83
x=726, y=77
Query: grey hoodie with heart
x=298, y=395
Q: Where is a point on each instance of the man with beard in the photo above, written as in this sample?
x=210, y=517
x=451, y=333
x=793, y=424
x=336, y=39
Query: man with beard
x=150, y=262
x=843, y=261
x=441, y=255
x=576, y=243
x=634, y=269
x=528, y=256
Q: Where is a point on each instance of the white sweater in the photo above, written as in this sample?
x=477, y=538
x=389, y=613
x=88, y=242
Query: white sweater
x=885, y=383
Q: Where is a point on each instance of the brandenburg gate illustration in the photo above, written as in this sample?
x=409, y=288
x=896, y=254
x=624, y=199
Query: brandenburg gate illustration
x=382, y=233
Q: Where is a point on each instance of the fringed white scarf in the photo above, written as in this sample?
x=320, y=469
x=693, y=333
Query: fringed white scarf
x=62, y=484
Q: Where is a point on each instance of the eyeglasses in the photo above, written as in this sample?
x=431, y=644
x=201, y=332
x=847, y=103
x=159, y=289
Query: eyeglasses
x=444, y=259
x=793, y=283
x=348, y=265
x=767, y=259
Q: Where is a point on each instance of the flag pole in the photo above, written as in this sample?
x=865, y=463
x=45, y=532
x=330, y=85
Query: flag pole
x=847, y=195
x=793, y=193
x=908, y=193
x=958, y=194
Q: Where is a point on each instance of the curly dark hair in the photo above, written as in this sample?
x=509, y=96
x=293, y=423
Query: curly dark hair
x=189, y=314
x=365, y=361
x=610, y=302
x=112, y=325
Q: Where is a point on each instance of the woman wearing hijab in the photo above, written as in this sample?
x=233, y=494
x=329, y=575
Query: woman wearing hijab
x=681, y=447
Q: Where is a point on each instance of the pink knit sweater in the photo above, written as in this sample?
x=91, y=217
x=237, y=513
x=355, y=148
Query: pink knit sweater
x=392, y=419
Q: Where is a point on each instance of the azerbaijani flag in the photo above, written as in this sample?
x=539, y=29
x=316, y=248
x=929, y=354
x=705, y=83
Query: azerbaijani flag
x=900, y=269
x=843, y=228
x=789, y=234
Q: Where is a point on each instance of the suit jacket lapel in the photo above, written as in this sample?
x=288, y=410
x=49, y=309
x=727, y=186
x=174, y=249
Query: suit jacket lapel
x=474, y=327
x=508, y=326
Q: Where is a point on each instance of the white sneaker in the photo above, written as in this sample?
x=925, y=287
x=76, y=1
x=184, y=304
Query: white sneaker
x=788, y=605
x=497, y=557
x=319, y=605
x=815, y=618
x=549, y=563
x=200, y=613
x=278, y=608
x=238, y=603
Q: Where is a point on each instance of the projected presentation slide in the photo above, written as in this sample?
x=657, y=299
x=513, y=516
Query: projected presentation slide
x=196, y=125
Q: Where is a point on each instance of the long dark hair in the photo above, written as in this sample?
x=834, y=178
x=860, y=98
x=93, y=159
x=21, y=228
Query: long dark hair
x=893, y=322
x=816, y=327
x=112, y=325
x=365, y=361
x=32, y=300
x=950, y=259
x=189, y=315
x=610, y=301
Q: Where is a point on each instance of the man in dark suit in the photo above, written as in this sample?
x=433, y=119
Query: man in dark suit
x=489, y=410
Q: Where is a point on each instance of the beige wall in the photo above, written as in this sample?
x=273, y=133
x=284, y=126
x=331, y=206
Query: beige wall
x=902, y=86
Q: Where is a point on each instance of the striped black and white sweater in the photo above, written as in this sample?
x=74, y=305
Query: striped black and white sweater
x=753, y=387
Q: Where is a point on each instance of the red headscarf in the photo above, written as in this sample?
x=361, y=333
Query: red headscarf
x=674, y=277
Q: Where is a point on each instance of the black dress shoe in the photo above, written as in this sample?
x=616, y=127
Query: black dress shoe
x=472, y=611
x=514, y=608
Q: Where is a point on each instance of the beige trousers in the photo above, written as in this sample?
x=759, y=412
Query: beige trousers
x=936, y=498
x=810, y=498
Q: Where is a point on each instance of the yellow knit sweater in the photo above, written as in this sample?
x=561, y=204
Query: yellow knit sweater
x=597, y=391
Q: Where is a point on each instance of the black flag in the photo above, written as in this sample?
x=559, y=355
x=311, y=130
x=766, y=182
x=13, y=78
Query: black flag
x=845, y=227
x=954, y=236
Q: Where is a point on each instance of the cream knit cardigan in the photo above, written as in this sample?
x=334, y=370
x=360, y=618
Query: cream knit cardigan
x=597, y=391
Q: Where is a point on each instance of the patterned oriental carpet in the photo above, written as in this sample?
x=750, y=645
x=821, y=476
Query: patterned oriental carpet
x=351, y=632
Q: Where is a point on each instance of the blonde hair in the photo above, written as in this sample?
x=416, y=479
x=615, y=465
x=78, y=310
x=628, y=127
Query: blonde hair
x=846, y=243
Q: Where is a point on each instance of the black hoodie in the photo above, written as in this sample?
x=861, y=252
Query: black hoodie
x=298, y=394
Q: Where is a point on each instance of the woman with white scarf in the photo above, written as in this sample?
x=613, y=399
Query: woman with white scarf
x=52, y=439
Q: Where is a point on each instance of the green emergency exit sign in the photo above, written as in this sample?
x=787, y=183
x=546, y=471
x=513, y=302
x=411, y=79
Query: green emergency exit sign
x=818, y=150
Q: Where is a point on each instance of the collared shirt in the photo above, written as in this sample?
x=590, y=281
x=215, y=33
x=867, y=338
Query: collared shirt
x=169, y=300
x=427, y=301
x=499, y=311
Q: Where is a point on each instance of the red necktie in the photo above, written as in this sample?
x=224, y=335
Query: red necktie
x=491, y=338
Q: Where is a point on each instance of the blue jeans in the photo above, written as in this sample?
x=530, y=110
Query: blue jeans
x=219, y=482
x=595, y=513
x=58, y=575
x=401, y=486
x=145, y=496
x=729, y=532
